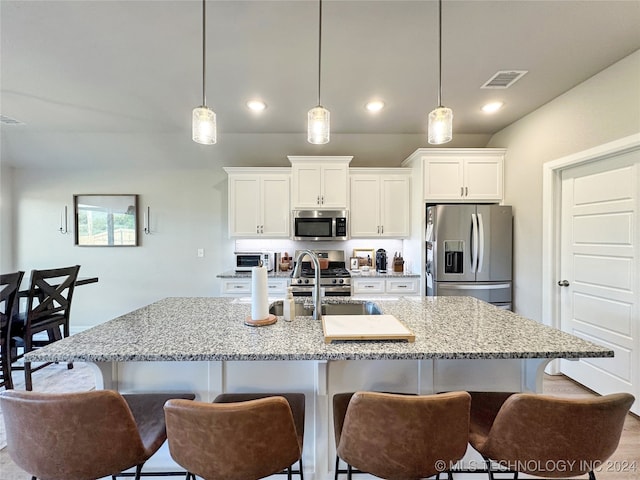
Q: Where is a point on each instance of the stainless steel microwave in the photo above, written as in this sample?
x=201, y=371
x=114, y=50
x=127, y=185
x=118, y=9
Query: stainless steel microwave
x=320, y=225
x=245, y=261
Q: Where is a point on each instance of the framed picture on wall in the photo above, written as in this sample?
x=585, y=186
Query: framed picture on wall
x=106, y=220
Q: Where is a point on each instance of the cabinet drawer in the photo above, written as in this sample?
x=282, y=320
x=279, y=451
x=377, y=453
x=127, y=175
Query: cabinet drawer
x=368, y=286
x=404, y=285
x=277, y=287
x=236, y=287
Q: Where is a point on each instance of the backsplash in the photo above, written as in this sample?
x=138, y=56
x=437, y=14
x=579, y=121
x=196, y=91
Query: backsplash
x=285, y=245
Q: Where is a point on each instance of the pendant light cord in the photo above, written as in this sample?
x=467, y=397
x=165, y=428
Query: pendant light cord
x=319, y=46
x=204, y=50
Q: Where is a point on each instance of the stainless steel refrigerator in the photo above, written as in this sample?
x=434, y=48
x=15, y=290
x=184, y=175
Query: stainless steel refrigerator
x=469, y=252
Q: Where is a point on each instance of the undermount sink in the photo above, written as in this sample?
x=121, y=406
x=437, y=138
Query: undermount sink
x=360, y=308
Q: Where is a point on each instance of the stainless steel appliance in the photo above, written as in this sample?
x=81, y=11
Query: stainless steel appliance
x=335, y=280
x=245, y=261
x=469, y=252
x=320, y=225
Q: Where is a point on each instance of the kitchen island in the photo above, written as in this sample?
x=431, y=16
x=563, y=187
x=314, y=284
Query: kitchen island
x=202, y=345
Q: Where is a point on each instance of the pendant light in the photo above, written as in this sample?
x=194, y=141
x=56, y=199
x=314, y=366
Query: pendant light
x=318, y=116
x=441, y=118
x=203, y=126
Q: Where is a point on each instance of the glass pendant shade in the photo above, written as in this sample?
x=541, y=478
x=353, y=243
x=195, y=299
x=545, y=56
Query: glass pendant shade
x=318, y=125
x=440, y=125
x=204, y=126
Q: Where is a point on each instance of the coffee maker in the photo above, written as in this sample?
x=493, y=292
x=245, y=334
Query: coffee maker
x=381, y=260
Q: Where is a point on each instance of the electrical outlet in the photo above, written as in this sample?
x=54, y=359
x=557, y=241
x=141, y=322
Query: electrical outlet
x=201, y=252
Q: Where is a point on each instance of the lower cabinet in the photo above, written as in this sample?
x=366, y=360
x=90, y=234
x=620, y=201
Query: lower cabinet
x=385, y=286
x=241, y=287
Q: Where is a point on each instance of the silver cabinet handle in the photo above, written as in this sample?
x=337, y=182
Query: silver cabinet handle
x=466, y=191
x=563, y=283
x=381, y=228
x=462, y=191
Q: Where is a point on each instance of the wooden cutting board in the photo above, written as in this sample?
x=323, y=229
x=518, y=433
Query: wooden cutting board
x=364, y=327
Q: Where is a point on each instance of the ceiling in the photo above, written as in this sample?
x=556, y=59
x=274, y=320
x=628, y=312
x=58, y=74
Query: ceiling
x=112, y=83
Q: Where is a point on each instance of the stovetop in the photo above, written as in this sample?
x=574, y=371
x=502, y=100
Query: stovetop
x=335, y=270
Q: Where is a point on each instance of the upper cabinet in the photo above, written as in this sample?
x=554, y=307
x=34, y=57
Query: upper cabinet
x=380, y=202
x=461, y=174
x=259, y=202
x=320, y=182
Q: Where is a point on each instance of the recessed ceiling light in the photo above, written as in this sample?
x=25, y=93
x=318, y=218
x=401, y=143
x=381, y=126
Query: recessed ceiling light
x=374, y=106
x=256, y=105
x=492, y=107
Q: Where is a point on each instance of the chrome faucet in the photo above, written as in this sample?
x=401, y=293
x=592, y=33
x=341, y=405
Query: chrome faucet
x=316, y=288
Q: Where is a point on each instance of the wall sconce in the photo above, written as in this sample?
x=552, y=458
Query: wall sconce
x=63, y=221
x=147, y=228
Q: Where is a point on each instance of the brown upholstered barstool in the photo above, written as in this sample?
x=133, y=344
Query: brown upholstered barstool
x=405, y=437
x=86, y=435
x=546, y=436
x=297, y=404
x=235, y=441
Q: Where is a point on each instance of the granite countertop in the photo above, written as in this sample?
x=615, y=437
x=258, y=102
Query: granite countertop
x=234, y=274
x=354, y=274
x=212, y=328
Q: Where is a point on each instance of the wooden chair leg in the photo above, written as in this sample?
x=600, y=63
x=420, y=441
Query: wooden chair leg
x=27, y=376
x=138, y=471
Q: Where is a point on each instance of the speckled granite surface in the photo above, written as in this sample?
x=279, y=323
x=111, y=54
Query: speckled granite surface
x=190, y=329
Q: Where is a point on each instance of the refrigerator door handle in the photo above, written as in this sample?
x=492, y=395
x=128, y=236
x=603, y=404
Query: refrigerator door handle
x=474, y=242
x=495, y=286
x=480, y=243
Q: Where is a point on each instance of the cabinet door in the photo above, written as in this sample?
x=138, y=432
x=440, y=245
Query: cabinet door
x=364, y=216
x=306, y=186
x=395, y=202
x=443, y=179
x=483, y=178
x=275, y=209
x=334, y=186
x=244, y=206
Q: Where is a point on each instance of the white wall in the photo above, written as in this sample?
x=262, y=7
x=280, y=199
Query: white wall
x=604, y=108
x=188, y=211
x=6, y=218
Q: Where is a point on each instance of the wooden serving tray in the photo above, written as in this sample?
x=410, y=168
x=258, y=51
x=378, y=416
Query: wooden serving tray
x=364, y=327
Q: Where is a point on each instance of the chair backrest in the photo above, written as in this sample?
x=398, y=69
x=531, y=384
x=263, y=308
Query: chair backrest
x=533, y=432
x=404, y=437
x=9, y=288
x=70, y=436
x=235, y=441
x=50, y=293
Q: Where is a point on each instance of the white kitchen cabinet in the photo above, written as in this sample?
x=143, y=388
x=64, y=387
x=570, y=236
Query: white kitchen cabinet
x=404, y=286
x=385, y=285
x=241, y=287
x=463, y=175
x=319, y=182
x=361, y=285
x=259, y=202
x=380, y=203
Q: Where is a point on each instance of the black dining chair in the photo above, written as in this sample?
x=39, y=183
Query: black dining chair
x=47, y=310
x=9, y=288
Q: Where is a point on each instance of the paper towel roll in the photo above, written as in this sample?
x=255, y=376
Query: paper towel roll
x=259, y=293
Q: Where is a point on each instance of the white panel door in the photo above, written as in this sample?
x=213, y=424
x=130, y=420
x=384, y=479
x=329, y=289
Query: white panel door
x=365, y=206
x=600, y=263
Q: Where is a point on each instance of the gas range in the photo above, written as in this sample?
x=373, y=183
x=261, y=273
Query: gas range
x=335, y=279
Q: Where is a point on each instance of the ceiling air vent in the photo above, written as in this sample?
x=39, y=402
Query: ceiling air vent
x=9, y=121
x=504, y=79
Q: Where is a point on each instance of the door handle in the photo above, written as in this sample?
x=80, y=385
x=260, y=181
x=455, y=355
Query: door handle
x=563, y=283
